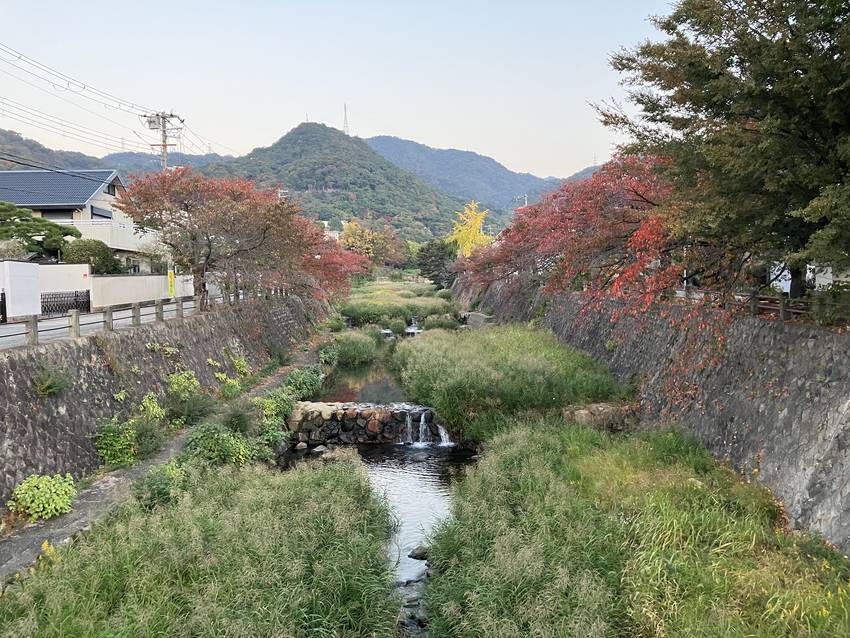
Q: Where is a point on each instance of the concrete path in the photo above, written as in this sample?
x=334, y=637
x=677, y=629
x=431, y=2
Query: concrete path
x=21, y=549
x=50, y=329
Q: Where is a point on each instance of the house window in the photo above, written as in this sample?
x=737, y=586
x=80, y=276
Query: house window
x=110, y=189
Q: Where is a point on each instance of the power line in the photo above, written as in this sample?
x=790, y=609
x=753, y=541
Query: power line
x=208, y=140
x=69, y=81
x=63, y=133
x=58, y=121
x=74, y=104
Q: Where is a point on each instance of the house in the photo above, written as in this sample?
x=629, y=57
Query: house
x=86, y=200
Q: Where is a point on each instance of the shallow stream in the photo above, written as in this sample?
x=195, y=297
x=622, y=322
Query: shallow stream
x=415, y=479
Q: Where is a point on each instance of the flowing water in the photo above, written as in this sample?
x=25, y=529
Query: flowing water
x=415, y=477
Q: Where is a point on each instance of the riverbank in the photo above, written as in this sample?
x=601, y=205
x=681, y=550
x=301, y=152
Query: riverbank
x=645, y=535
x=244, y=551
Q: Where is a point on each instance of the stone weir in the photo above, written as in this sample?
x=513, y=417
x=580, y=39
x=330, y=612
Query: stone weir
x=320, y=423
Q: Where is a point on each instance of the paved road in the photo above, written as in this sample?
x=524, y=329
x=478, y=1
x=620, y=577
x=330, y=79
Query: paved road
x=14, y=334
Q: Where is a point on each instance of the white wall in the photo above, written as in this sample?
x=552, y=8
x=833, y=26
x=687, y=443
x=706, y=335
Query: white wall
x=20, y=281
x=64, y=277
x=110, y=290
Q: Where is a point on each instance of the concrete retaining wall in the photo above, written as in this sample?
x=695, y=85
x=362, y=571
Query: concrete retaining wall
x=47, y=434
x=777, y=405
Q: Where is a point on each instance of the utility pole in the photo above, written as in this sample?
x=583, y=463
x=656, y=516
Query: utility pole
x=162, y=121
x=523, y=197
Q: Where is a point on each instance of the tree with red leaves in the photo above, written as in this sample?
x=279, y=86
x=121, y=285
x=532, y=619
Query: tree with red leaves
x=238, y=234
x=606, y=235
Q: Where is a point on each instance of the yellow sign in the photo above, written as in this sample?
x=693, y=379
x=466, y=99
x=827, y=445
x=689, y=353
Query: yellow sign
x=171, y=289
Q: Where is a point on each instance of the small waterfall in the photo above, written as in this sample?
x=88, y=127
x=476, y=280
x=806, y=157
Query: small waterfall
x=444, y=436
x=408, y=428
x=424, y=434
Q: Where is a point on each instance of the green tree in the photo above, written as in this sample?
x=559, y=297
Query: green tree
x=748, y=99
x=38, y=235
x=94, y=252
x=435, y=259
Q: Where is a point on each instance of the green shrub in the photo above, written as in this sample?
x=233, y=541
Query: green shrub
x=183, y=385
x=303, y=383
x=445, y=293
x=272, y=432
x=277, y=403
x=230, y=388
x=150, y=409
x=115, y=442
x=468, y=375
x=386, y=300
x=50, y=380
x=374, y=333
x=445, y=322
x=149, y=436
x=41, y=497
x=190, y=410
x=335, y=324
x=238, y=417
x=241, y=366
x=160, y=485
x=214, y=443
x=355, y=348
x=329, y=354
x=94, y=252
x=398, y=326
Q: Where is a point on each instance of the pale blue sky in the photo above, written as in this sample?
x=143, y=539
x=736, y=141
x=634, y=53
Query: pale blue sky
x=512, y=80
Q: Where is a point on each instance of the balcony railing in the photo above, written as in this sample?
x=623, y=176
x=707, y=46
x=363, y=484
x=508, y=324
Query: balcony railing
x=116, y=235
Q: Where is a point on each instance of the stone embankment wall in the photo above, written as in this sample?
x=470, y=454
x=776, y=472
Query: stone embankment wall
x=320, y=423
x=47, y=434
x=776, y=405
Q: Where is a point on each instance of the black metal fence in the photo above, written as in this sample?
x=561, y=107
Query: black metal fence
x=3, y=315
x=59, y=303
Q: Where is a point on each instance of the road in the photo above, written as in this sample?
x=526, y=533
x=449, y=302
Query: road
x=51, y=329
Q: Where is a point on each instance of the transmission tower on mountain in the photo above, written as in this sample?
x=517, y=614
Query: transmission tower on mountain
x=345, y=119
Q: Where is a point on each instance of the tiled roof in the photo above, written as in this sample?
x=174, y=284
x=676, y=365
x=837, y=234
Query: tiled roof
x=52, y=188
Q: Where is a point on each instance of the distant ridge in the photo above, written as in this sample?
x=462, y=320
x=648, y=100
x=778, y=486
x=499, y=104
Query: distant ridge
x=466, y=174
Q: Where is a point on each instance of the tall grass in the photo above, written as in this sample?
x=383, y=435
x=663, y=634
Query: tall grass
x=250, y=552
x=563, y=531
x=355, y=348
x=380, y=301
x=475, y=378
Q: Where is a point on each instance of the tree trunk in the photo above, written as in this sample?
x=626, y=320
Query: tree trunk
x=798, y=281
x=199, y=283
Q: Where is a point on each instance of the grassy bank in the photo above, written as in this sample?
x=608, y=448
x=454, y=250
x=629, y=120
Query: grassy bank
x=563, y=531
x=379, y=302
x=242, y=552
x=477, y=379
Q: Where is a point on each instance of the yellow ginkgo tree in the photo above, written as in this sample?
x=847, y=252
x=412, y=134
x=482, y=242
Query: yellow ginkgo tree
x=468, y=233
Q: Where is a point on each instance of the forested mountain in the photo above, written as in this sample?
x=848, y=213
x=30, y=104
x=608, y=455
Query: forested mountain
x=14, y=145
x=132, y=162
x=464, y=174
x=337, y=177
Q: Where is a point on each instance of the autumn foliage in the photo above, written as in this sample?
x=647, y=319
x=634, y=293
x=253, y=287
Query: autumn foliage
x=228, y=230
x=607, y=236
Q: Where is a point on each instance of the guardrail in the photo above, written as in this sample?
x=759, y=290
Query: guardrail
x=28, y=331
x=822, y=310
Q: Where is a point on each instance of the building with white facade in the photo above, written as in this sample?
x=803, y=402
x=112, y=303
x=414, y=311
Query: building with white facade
x=86, y=200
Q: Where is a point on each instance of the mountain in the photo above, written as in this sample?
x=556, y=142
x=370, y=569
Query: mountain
x=464, y=174
x=337, y=177
x=132, y=162
x=14, y=145
x=584, y=173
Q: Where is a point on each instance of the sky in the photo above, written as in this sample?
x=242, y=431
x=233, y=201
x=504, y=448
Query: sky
x=514, y=80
